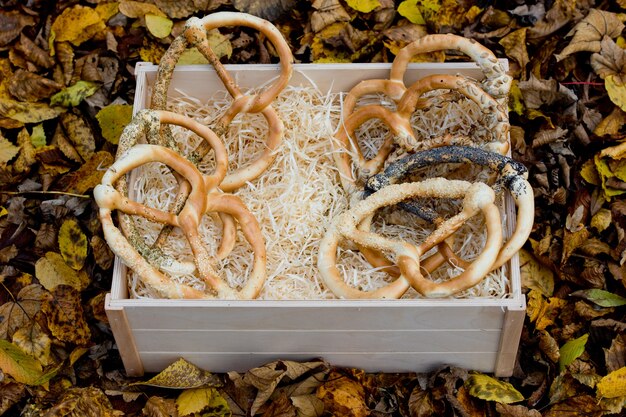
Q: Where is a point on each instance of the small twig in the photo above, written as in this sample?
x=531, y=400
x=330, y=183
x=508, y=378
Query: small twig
x=45, y=192
x=582, y=83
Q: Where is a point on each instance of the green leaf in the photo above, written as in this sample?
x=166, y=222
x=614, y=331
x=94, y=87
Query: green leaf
x=73, y=95
x=38, y=136
x=26, y=112
x=491, y=389
x=159, y=26
x=410, y=10
x=22, y=367
x=205, y=400
x=364, y=6
x=572, y=350
x=601, y=297
x=113, y=119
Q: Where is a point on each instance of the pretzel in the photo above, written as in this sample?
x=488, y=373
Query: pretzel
x=195, y=34
x=512, y=175
x=476, y=197
x=203, y=198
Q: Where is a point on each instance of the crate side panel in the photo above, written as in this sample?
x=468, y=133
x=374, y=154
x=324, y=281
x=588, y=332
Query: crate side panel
x=315, y=318
x=316, y=341
x=370, y=361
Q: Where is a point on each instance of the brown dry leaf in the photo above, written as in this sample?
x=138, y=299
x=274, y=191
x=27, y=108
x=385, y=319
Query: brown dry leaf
x=65, y=57
x=160, y=407
x=343, y=396
x=79, y=133
x=52, y=271
x=182, y=375
x=28, y=86
x=88, y=175
x=102, y=253
x=265, y=9
x=615, y=356
x=66, y=319
x=535, y=276
x=12, y=24
x=588, y=33
x=14, y=315
x=308, y=405
x=60, y=141
x=515, y=47
x=177, y=9
x=560, y=14
x=76, y=24
x=135, y=9
x=421, y=404
x=12, y=393
x=549, y=346
x=610, y=61
x=572, y=241
x=34, y=341
x=89, y=401
x=507, y=410
x=326, y=13
x=34, y=53
x=26, y=157
x=576, y=406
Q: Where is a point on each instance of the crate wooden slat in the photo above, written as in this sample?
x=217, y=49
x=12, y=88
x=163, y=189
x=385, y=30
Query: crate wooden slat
x=375, y=335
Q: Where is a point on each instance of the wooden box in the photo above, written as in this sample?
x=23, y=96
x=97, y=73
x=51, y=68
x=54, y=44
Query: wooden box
x=407, y=335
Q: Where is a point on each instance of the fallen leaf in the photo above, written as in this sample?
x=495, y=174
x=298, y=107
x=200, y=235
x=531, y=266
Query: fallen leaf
x=65, y=316
x=491, y=389
x=26, y=112
x=159, y=407
x=12, y=24
x=571, y=350
x=28, y=86
x=79, y=133
x=7, y=150
x=107, y=10
x=507, y=410
x=326, y=13
x=135, y=9
x=575, y=406
x=89, y=401
x=535, y=275
x=542, y=312
x=411, y=10
x=34, y=342
x=219, y=44
x=52, y=271
x=65, y=57
x=102, y=253
x=33, y=53
x=265, y=9
x=363, y=6
x=182, y=375
x=588, y=33
x=421, y=403
x=515, y=47
x=76, y=24
x=159, y=26
x=308, y=405
x=151, y=52
x=74, y=94
x=611, y=60
x=16, y=314
x=616, y=88
x=600, y=297
x=88, y=175
x=572, y=241
x=22, y=367
x=615, y=355
x=549, y=346
x=613, y=385
x=205, y=400
x=113, y=119
x=343, y=396
x=73, y=244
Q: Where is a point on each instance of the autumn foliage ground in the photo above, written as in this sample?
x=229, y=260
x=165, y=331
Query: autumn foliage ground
x=66, y=89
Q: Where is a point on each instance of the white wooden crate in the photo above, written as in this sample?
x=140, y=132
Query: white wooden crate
x=376, y=335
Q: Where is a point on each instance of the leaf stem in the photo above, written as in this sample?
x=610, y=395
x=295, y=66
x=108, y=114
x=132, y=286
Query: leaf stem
x=44, y=192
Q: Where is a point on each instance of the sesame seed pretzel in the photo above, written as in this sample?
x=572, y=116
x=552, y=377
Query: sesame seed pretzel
x=477, y=197
x=203, y=198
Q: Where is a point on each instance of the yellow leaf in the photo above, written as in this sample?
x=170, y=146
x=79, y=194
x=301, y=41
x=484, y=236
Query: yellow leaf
x=76, y=354
x=410, y=10
x=113, y=119
x=515, y=46
x=73, y=244
x=27, y=112
x=135, y=9
x=490, y=389
x=612, y=123
x=22, y=367
x=159, y=26
x=533, y=114
x=534, y=275
x=321, y=52
x=516, y=102
x=219, y=43
x=77, y=24
x=613, y=385
x=33, y=341
x=74, y=94
x=343, y=396
x=205, y=400
x=151, y=52
x=601, y=220
x=589, y=172
x=52, y=271
x=38, y=136
x=605, y=173
x=542, y=312
x=182, y=375
x=364, y=6
x=616, y=90
x=107, y=10
x=7, y=150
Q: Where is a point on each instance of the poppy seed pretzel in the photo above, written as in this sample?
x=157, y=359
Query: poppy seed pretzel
x=477, y=197
x=195, y=34
x=512, y=175
x=202, y=199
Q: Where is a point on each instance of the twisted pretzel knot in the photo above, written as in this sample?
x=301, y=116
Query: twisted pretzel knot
x=476, y=197
x=203, y=197
x=491, y=98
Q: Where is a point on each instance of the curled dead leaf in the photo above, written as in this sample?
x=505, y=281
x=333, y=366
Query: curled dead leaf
x=343, y=396
x=326, y=13
x=65, y=316
x=265, y=9
x=12, y=24
x=28, y=86
x=79, y=133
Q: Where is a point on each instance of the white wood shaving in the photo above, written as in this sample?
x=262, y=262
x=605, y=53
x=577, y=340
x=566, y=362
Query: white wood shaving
x=297, y=197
